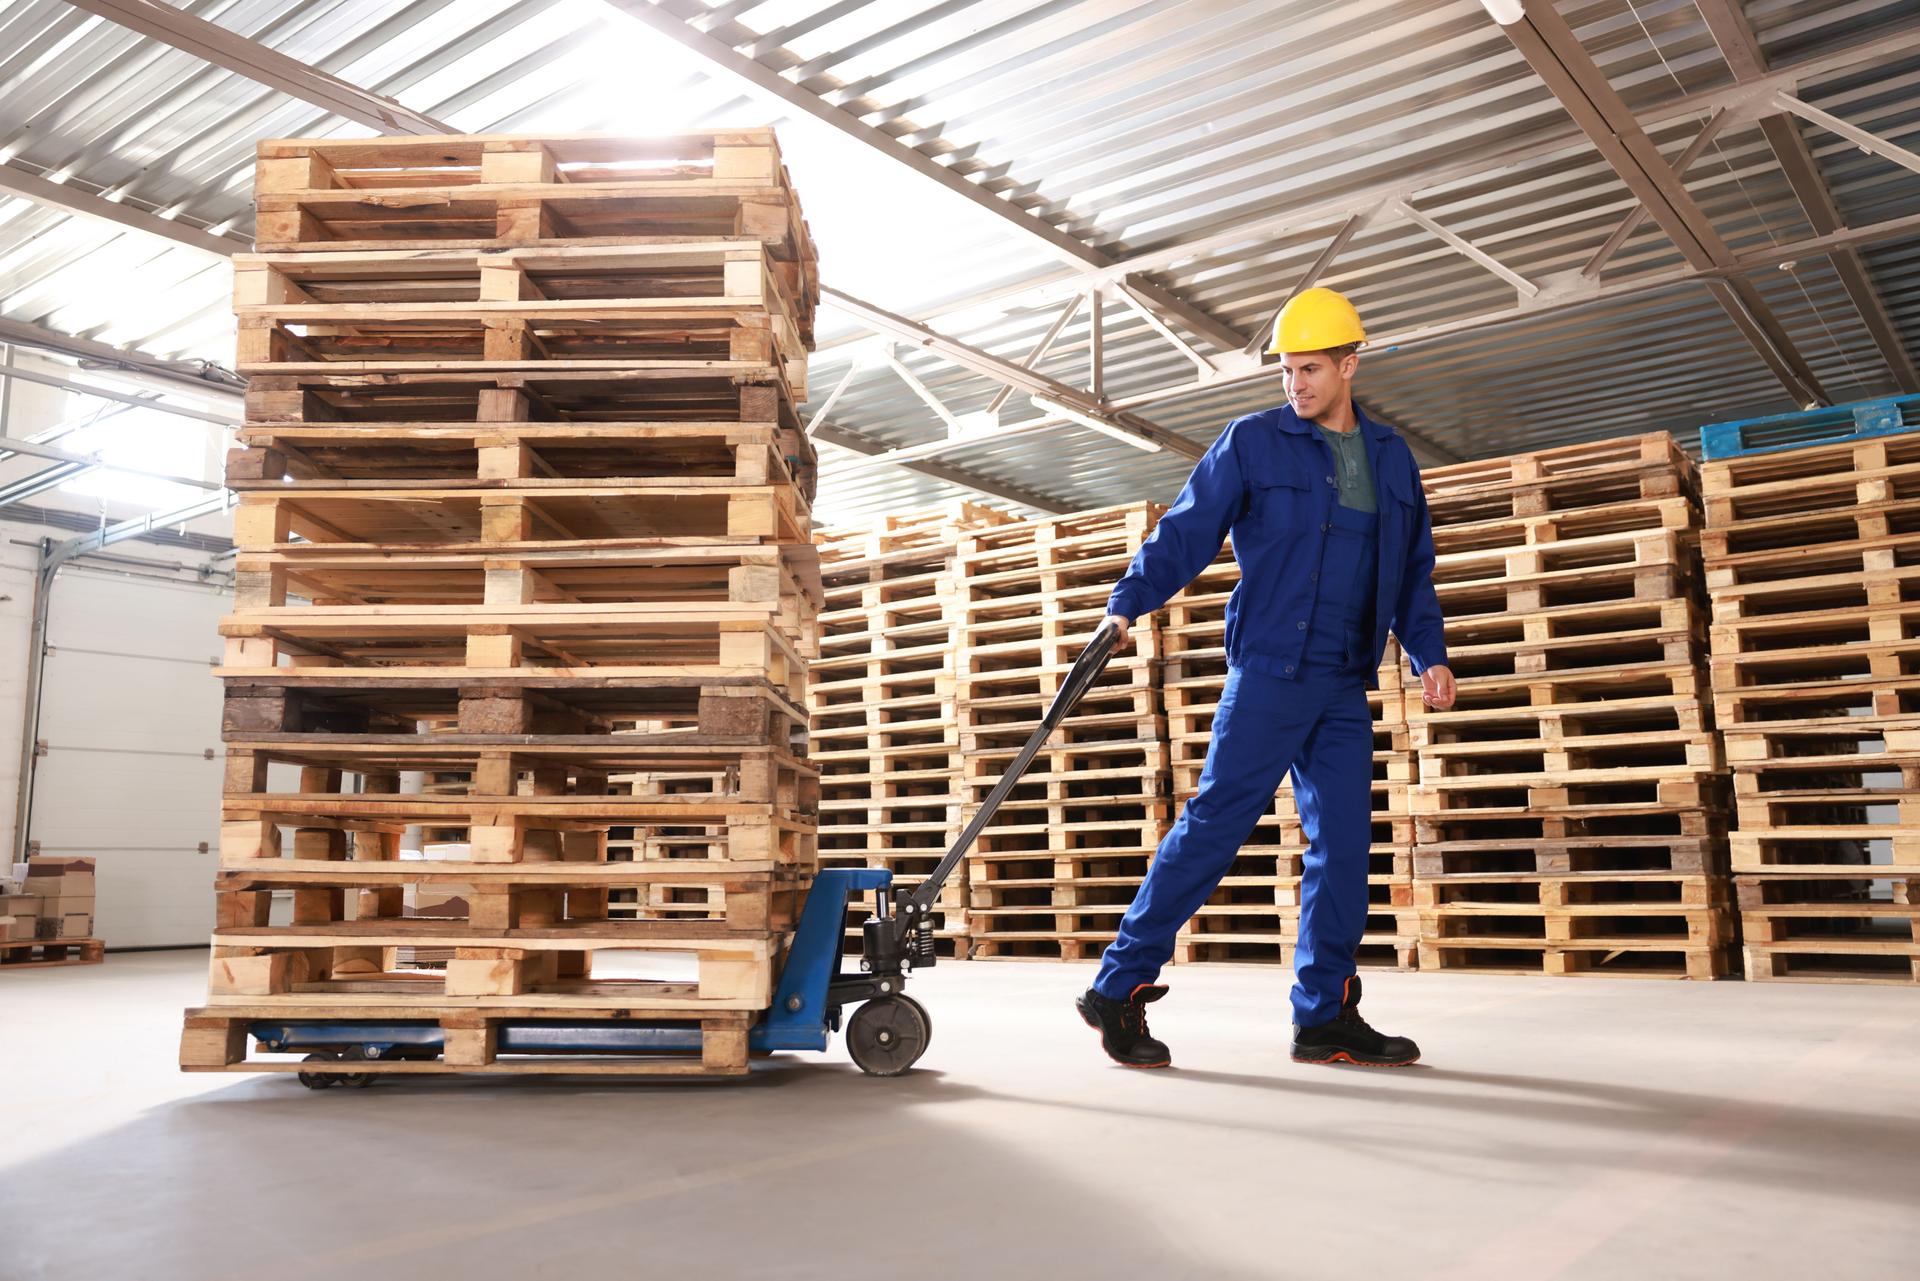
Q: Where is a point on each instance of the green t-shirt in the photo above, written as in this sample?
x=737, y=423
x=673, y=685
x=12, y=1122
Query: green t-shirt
x=1350, y=465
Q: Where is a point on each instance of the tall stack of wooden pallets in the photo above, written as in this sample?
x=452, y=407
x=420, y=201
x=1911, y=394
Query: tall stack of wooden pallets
x=1569, y=813
x=1812, y=569
x=1254, y=915
x=1054, y=871
x=523, y=507
x=886, y=730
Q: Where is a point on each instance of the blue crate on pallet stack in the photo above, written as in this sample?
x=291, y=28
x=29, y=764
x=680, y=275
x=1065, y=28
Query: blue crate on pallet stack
x=1830, y=425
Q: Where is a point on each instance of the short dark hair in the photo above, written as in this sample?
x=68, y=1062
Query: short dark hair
x=1335, y=354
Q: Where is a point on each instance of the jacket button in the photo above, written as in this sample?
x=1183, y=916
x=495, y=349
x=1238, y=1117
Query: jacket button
x=1314, y=577
x=1301, y=625
x=1289, y=669
x=1325, y=528
x=1332, y=481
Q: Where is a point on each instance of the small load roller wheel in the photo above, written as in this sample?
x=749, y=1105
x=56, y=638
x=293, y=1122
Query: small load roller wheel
x=886, y=1036
x=321, y=1080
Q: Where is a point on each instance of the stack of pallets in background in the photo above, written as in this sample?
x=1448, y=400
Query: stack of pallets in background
x=886, y=733
x=1569, y=815
x=1810, y=554
x=523, y=509
x=1255, y=913
x=1053, y=872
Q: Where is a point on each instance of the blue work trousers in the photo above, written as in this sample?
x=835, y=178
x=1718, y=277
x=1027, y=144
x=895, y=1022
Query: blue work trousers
x=1320, y=728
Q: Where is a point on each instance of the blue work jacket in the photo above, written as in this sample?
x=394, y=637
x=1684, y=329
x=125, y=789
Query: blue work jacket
x=1271, y=481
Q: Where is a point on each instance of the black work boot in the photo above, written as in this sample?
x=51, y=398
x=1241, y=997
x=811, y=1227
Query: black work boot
x=1123, y=1026
x=1346, y=1038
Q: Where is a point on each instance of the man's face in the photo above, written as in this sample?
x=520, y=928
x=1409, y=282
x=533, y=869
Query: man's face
x=1317, y=383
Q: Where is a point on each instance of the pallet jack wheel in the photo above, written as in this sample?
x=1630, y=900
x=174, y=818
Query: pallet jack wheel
x=356, y=1080
x=926, y=1019
x=886, y=1036
x=321, y=1080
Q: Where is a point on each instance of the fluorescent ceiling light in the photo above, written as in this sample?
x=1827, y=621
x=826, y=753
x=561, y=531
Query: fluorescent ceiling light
x=1125, y=435
x=1505, y=12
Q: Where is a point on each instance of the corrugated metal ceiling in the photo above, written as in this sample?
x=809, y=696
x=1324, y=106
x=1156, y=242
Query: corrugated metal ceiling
x=1136, y=126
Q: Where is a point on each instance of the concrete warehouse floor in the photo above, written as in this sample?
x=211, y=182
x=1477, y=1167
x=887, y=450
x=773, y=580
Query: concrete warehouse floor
x=1560, y=1129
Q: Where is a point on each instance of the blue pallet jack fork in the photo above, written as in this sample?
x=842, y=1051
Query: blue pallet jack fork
x=886, y=1034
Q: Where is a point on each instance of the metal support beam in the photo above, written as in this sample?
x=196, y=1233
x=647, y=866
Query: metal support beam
x=1466, y=247
x=199, y=376
x=18, y=181
x=1002, y=371
x=34, y=449
x=103, y=393
x=819, y=418
x=924, y=392
x=1803, y=174
x=767, y=81
x=1558, y=58
x=1740, y=46
x=1638, y=214
x=1861, y=138
x=1040, y=350
x=1096, y=344
x=959, y=476
x=41, y=481
x=213, y=43
x=1133, y=303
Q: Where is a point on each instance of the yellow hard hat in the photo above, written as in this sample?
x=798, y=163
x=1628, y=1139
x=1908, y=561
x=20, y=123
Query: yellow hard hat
x=1316, y=320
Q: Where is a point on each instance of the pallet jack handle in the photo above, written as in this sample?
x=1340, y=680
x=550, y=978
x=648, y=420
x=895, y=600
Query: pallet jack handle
x=1085, y=671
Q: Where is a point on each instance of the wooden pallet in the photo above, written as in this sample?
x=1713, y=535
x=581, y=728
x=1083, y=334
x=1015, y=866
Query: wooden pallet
x=690, y=710
x=30, y=954
x=1039, y=893
x=1656, y=895
x=723, y=574
x=1553, y=697
x=490, y=455
x=520, y=515
x=216, y=1039
x=1570, y=476
x=1602, y=853
x=723, y=296
x=1809, y=481
x=916, y=540
x=476, y=191
x=549, y=966
x=1624, y=957
x=580, y=392
x=754, y=800
x=1857, y=925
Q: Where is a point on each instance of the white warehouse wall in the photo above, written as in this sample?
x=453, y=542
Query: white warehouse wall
x=130, y=713
x=130, y=718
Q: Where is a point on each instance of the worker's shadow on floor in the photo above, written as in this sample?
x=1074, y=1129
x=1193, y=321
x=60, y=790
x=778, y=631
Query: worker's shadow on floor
x=807, y=1168
x=1779, y=1144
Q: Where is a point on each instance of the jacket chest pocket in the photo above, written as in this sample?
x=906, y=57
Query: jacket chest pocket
x=1398, y=485
x=1281, y=506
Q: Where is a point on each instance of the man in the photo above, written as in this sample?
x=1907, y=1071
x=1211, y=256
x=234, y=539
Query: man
x=1331, y=532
